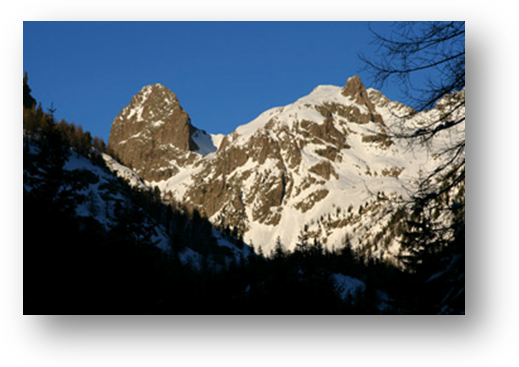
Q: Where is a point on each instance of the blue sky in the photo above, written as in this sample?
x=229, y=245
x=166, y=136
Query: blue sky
x=224, y=73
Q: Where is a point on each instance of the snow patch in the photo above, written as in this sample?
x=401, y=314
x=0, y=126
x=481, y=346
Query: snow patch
x=158, y=123
x=204, y=142
x=217, y=139
x=124, y=172
x=347, y=286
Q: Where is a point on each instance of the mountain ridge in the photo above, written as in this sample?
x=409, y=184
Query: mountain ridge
x=285, y=172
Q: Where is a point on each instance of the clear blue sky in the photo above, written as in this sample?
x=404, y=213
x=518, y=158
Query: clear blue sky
x=224, y=73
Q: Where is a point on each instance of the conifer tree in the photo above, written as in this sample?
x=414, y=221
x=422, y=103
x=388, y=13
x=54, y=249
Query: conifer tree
x=28, y=101
x=279, y=249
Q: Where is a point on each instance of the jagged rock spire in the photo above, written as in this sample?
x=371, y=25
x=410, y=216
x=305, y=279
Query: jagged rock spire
x=152, y=130
x=355, y=90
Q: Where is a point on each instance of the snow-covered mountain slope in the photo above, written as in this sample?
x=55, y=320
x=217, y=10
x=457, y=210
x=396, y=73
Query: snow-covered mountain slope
x=322, y=167
x=124, y=172
x=102, y=188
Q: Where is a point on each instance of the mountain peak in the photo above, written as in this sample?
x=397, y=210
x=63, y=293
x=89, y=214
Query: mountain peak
x=151, y=130
x=355, y=90
x=156, y=87
x=156, y=94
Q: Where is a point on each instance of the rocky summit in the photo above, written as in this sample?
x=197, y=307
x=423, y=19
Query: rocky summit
x=153, y=135
x=322, y=167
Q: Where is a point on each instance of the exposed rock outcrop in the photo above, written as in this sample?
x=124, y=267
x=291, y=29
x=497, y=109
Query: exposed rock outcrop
x=364, y=111
x=153, y=134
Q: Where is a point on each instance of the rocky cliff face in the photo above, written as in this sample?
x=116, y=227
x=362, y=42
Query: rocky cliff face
x=321, y=165
x=153, y=135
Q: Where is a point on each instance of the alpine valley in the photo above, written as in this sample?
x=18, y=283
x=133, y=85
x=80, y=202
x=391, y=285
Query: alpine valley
x=316, y=207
